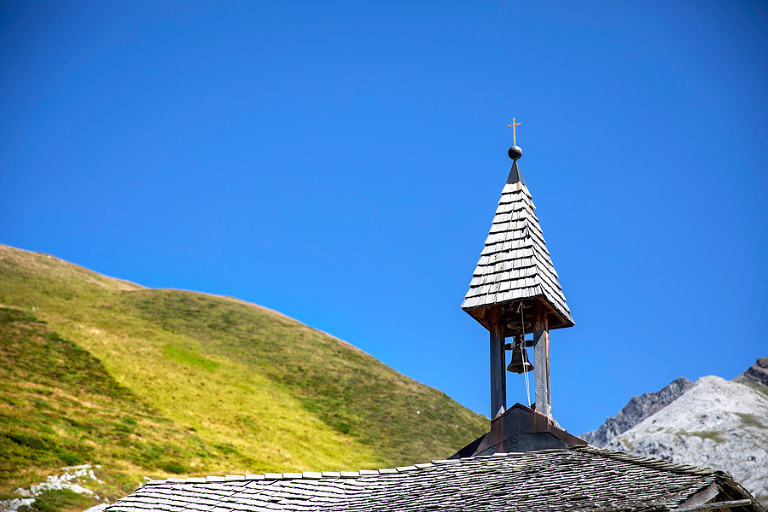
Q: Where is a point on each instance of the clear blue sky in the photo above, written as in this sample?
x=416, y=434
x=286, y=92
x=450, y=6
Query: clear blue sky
x=341, y=162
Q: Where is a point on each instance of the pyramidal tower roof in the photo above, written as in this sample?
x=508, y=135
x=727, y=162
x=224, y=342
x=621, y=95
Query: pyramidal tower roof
x=515, y=265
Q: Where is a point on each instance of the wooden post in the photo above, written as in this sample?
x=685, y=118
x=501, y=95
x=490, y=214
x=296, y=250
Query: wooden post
x=498, y=373
x=541, y=361
x=549, y=382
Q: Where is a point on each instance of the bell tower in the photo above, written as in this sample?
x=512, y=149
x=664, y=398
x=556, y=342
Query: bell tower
x=515, y=292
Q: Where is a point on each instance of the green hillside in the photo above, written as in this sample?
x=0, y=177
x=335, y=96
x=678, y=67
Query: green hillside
x=166, y=383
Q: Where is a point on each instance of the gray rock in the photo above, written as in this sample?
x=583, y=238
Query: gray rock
x=718, y=424
x=757, y=374
x=638, y=409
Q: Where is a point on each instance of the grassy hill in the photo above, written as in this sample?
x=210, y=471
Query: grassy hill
x=166, y=383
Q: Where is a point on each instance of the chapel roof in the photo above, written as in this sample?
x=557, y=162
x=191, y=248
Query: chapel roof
x=578, y=479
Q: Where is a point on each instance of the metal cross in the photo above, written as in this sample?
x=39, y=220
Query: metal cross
x=514, y=136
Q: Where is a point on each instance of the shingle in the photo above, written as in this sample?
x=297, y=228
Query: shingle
x=514, y=251
x=578, y=480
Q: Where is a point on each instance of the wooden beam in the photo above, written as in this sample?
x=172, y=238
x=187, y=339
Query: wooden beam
x=541, y=361
x=721, y=505
x=498, y=372
x=549, y=380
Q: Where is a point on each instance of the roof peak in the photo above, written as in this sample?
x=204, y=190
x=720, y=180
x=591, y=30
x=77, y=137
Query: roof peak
x=515, y=265
x=515, y=176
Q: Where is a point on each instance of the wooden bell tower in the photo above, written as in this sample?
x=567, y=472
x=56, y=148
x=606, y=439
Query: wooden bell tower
x=514, y=290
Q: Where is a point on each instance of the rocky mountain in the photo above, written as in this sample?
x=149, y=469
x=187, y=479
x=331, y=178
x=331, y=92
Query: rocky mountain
x=756, y=375
x=713, y=423
x=638, y=408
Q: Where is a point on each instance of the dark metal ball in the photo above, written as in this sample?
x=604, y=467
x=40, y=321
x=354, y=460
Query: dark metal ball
x=515, y=152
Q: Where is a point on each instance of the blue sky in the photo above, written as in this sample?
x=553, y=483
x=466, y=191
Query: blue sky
x=341, y=163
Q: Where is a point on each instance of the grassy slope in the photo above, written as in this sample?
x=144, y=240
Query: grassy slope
x=209, y=385
x=59, y=406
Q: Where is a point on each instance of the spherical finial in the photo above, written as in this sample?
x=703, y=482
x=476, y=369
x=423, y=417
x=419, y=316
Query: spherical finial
x=515, y=152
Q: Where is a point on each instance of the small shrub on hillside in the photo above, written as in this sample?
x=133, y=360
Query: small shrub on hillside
x=61, y=500
x=70, y=459
x=174, y=467
x=225, y=448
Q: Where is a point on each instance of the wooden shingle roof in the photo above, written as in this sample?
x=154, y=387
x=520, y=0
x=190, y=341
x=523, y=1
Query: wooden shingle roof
x=581, y=479
x=515, y=264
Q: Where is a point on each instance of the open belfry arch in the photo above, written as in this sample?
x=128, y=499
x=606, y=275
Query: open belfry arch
x=515, y=292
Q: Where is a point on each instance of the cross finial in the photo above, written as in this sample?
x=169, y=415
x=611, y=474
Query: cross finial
x=514, y=135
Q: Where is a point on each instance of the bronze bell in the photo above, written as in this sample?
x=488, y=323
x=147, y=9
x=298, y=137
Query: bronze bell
x=520, y=363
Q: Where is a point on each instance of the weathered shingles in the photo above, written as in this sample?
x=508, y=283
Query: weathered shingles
x=583, y=480
x=515, y=244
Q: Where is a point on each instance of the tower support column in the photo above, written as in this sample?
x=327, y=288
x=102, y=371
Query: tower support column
x=541, y=361
x=498, y=372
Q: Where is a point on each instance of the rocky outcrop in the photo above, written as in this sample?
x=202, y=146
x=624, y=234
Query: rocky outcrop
x=757, y=374
x=638, y=409
x=717, y=423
